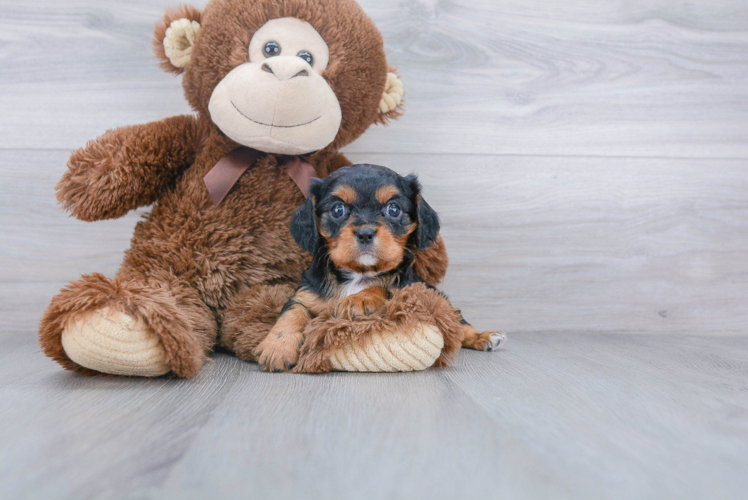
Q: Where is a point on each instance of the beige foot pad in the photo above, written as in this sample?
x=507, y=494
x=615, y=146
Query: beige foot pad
x=391, y=352
x=112, y=342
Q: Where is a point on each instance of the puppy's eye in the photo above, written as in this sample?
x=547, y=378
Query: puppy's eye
x=338, y=210
x=306, y=56
x=272, y=49
x=393, y=210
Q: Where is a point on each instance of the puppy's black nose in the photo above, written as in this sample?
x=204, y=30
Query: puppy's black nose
x=365, y=235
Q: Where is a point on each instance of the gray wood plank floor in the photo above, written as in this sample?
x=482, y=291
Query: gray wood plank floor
x=590, y=163
x=549, y=416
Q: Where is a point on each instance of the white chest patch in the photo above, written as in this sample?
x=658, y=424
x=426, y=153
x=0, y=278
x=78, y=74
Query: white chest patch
x=357, y=283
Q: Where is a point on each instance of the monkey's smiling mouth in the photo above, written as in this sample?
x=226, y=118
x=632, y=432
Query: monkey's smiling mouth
x=270, y=124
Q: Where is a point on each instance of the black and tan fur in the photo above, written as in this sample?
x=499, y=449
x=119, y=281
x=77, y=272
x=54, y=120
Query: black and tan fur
x=363, y=224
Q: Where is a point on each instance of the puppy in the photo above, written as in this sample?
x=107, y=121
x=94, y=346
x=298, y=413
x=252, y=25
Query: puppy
x=362, y=224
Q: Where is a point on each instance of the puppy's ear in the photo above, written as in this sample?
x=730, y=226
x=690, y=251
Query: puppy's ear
x=304, y=226
x=428, y=224
x=304, y=221
x=428, y=221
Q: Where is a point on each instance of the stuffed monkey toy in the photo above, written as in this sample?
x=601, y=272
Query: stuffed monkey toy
x=278, y=87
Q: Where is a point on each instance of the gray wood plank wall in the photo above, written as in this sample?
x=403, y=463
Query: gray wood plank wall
x=588, y=158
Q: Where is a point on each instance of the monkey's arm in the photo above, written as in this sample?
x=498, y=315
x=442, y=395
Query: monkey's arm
x=127, y=168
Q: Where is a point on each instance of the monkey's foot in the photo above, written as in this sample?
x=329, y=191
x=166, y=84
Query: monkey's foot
x=110, y=341
x=388, y=351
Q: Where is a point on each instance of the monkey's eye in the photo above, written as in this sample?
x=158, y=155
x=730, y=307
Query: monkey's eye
x=272, y=49
x=306, y=56
x=393, y=210
x=338, y=210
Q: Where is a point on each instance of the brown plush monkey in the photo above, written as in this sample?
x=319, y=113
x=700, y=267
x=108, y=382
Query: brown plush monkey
x=282, y=78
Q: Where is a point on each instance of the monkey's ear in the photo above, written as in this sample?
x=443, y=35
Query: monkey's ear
x=304, y=222
x=391, y=105
x=174, y=37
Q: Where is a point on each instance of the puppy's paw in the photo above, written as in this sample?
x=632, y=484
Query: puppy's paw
x=278, y=352
x=363, y=303
x=496, y=338
x=481, y=341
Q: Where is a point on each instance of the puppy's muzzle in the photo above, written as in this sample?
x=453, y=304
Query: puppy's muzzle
x=365, y=236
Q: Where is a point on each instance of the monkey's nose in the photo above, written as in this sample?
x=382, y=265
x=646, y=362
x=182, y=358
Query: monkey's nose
x=366, y=235
x=286, y=67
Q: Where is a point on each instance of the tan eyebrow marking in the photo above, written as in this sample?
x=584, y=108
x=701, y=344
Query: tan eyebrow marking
x=345, y=193
x=385, y=193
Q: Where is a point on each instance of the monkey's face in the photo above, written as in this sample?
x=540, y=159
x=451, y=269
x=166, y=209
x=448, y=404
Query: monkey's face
x=278, y=102
x=283, y=77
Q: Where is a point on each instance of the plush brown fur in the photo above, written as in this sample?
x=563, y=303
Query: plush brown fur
x=180, y=12
x=196, y=275
x=128, y=167
x=357, y=78
x=249, y=319
x=408, y=308
x=167, y=307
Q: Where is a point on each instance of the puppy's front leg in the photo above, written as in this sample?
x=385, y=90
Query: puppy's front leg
x=280, y=349
x=362, y=303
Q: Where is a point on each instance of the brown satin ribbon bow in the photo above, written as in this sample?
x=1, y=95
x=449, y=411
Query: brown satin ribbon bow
x=224, y=174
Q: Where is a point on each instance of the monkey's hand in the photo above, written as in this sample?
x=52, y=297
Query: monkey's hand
x=126, y=168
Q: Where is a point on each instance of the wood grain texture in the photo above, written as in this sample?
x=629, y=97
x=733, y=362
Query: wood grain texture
x=548, y=416
x=578, y=78
x=585, y=244
x=536, y=244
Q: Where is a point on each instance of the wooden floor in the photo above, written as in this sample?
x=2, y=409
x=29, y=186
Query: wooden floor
x=550, y=416
x=589, y=161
